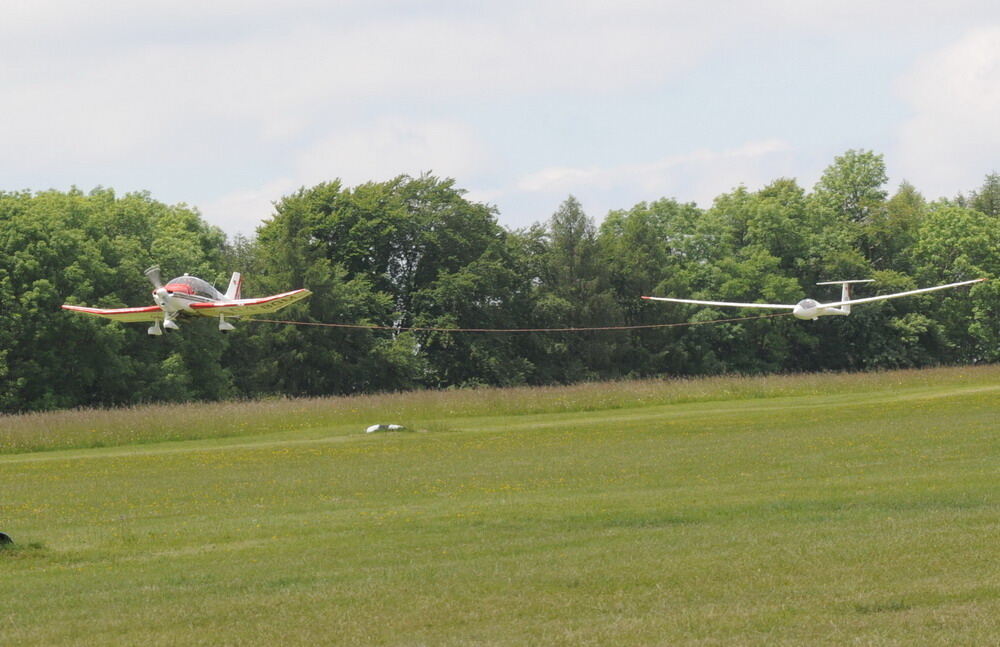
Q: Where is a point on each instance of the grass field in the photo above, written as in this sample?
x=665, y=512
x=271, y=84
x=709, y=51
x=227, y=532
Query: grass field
x=825, y=509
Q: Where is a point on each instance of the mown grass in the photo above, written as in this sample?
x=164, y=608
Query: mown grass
x=843, y=510
x=160, y=423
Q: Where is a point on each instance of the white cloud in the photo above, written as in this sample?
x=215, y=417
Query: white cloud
x=951, y=140
x=392, y=146
x=241, y=212
x=309, y=90
x=377, y=152
x=281, y=79
x=696, y=176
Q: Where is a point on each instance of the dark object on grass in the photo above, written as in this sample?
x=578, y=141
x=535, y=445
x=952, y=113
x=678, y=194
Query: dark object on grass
x=5, y=539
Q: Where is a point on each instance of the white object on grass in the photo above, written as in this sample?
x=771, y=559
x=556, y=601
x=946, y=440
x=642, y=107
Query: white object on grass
x=375, y=428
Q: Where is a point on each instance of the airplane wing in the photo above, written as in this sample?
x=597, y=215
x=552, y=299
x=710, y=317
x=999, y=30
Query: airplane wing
x=249, y=307
x=769, y=306
x=900, y=294
x=146, y=313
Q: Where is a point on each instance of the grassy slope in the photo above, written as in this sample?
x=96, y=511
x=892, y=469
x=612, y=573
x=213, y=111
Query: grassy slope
x=867, y=514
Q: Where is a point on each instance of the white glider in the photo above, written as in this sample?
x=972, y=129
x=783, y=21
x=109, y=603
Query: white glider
x=812, y=309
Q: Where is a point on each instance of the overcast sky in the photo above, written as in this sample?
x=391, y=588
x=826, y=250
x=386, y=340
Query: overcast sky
x=227, y=105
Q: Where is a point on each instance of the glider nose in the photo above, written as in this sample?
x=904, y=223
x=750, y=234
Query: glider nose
x=806, y=309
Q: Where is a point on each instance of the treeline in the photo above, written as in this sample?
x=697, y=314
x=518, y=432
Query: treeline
x=414, y=252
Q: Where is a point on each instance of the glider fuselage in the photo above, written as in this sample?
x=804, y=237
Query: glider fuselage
x=812, y=309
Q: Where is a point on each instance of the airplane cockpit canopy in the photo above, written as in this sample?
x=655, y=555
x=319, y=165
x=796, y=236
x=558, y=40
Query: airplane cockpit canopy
x=193, y=285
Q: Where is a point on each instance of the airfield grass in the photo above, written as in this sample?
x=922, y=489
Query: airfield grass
x=829, y=509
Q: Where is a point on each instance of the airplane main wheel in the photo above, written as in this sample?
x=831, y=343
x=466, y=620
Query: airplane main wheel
x=5, y=538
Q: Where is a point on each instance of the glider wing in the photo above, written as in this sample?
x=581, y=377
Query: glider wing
x=146, y=313
x=769, y=306
x=900, y=294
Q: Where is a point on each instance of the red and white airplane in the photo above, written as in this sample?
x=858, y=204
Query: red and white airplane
x=188, y=296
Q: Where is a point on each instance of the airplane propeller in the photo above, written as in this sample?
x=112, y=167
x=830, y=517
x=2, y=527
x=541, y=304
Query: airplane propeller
x=162, y=297
x=153, y=274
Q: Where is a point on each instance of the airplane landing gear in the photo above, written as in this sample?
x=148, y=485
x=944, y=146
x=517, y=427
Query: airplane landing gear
x=155, y=329
x=224, y=325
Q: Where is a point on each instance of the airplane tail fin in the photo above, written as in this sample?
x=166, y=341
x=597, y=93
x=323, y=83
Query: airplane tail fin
x=235, y=286
x=845, y=291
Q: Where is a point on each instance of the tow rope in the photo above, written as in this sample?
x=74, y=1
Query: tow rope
x=514, y=330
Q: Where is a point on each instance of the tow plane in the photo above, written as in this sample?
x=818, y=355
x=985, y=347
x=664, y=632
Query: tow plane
x=812, y=309
x=189, y=296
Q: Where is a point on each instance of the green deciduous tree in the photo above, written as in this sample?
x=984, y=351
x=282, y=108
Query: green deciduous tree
x=58, y=247
x=573, y=290
x=851, y=187
x=987, y=198
x=414, y=251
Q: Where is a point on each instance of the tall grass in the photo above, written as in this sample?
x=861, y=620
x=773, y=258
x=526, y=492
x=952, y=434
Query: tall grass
x=83, y=428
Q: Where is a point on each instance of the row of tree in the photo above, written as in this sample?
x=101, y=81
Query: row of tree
x=414, y=252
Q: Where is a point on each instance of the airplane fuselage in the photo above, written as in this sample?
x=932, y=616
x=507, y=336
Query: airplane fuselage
x=173, y=301
x=179, y=296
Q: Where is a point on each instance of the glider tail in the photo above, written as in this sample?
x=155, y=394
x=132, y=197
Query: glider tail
x=235, y=287
x=845, y=293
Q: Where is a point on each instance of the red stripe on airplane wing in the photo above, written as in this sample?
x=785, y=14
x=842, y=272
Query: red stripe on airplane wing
x=247, y=302
x=145, y=313
x=111, y=311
